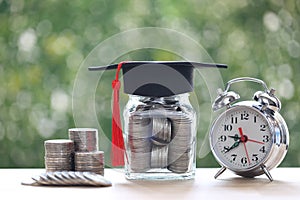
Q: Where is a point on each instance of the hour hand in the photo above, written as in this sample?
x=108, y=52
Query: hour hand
x=235, y=137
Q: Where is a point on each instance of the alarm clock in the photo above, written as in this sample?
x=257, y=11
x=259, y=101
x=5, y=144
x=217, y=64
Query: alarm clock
x=250, y=137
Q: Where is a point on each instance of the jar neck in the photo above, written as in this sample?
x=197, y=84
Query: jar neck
x=174, y=98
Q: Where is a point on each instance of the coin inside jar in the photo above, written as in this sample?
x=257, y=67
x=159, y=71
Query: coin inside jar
x=179, y=155
x=161, y=131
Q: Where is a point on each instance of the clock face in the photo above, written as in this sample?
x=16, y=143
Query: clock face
x=241, y=138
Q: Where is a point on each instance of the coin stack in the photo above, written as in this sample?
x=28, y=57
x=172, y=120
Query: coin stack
x=161, y=131
x=85, y=139
x=59, y=155
x=179, y=156
x=161, y=136
x=139, y=143
x=87, y=157
x=90, y=162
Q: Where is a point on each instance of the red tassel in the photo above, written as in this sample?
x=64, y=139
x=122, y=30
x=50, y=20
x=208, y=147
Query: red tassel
x=117, y=152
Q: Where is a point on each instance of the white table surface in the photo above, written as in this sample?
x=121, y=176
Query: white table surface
x=286, y=185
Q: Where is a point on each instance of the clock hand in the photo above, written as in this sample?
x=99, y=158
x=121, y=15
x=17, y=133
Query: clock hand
x=235, y=137
x=250, y=140
x=244, y=140
x=243, y=137
x=236, y=144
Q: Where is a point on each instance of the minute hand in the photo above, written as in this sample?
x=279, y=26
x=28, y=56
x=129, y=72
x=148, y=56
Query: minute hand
x=244, y=140
x=236, y=144
x=250, y=140
x=236, y=137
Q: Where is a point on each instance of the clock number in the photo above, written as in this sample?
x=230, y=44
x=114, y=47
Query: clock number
x=255, y=157
x=262, y=127
x=226, y=149
x=222, y=138
x=228, y=127
x=244, y=116
x=254, y=119
x=262, y=149
x=234, y=120
x=244, y=160
x=233, y=156
x=266, y=138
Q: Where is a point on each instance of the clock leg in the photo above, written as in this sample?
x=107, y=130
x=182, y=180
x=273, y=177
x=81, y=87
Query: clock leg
x=266, y=171
x=220, y=172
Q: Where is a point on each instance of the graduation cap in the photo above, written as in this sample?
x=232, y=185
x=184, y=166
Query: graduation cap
x=151, y=79
x=157, y=79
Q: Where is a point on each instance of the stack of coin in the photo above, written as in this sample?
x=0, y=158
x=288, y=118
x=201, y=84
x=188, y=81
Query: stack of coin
x=90, y=162
x=161, y=131
x=159, y=157
x=161, y=136
x=85, y=139
x=59, y=155
x=87, y=157
x=139, y=134
x=179, y=155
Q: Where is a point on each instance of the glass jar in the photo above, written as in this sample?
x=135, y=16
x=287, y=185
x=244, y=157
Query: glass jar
x=160, y=138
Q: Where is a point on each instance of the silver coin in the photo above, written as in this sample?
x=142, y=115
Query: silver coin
x=40, y=180
x=84, y=180
x=56, y=181
x=60, y=154
x=58, y=159
x=30, y=182
x=69, y=175
x=47, y=180
x=177, y=170
x=60, y=177
x=96, y=178
x=59, y=145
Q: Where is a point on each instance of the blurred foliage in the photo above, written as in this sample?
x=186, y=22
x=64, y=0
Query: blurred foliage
x=43, y=43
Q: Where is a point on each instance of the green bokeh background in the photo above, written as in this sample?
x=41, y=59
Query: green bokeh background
x=43, y=43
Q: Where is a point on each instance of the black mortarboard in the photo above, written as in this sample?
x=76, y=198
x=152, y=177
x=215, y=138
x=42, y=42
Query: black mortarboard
x=158, y=78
